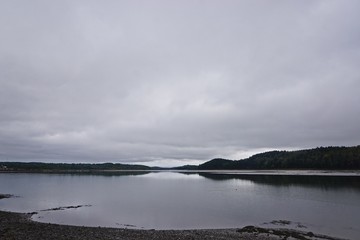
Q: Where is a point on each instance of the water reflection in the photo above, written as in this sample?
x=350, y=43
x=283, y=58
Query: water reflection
x=171, y=175
x=109, y=173
x=323, y=182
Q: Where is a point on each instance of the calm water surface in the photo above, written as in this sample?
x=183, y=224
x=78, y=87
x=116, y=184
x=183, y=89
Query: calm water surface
x=169, y=200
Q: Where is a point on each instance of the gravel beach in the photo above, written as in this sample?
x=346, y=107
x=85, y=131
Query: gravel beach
x=20, y=226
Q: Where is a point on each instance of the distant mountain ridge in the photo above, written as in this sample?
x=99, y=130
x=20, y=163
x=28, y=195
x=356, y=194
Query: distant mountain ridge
x=327, y=158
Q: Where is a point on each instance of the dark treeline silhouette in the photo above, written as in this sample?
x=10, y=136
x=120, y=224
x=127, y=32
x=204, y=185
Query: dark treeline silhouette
x=330, y=158
x=38, y=166
x=322, y=158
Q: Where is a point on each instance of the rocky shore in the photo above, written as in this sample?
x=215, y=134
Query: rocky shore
x=19, y=226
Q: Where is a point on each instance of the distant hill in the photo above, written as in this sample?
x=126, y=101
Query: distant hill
x=217, y=163
x=38, y=166
x=330, y=158
x=186, y=167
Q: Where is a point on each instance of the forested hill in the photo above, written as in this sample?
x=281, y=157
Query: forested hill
x=331, y=158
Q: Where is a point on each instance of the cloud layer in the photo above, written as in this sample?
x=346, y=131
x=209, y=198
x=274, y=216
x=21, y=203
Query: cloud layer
x=172, y=82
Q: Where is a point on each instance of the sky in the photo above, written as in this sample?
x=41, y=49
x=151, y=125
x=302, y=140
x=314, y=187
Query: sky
x=169, y=83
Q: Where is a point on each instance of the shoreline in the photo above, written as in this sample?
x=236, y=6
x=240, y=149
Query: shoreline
x=20, y=226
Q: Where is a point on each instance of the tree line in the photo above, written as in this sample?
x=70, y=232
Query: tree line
x=331, y=158
x=39, y=166
x=321, y=158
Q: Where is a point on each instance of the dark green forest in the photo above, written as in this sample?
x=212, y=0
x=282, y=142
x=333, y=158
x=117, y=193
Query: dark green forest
x=327, y=158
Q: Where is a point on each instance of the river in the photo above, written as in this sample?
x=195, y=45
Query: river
x=172, y=200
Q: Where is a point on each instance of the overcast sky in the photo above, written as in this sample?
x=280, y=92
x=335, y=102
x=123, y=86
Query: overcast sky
x=176, y=82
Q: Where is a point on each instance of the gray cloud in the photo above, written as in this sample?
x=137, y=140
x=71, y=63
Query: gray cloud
x=169, y=82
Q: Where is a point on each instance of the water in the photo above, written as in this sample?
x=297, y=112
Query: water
x=169, y=200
